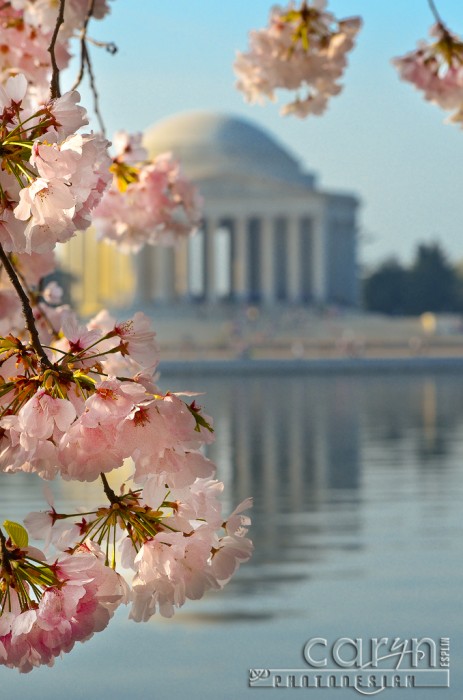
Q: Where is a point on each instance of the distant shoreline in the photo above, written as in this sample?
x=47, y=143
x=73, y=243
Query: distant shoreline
x=329, y=366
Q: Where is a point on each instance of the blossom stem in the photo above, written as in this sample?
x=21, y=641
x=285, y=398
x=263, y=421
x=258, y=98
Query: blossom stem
x=83, y=47
x=96, y=106
x=26, y=307
x=434, y=11
x=108, y=490
x=54, y=86
x=4, y=553
x=33, y=298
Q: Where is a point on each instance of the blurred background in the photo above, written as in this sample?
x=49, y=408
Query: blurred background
x=336, y=239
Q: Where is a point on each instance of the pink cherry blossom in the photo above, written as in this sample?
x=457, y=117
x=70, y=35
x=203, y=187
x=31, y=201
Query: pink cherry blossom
x=169, y=569
x=129, y=148
x=156, y=204
x=86, y=452
x=138, y=340
x=301, y=49
x=81, y=603
x=67, y=115
x=437, y=69
x=25, y=50
x=42, y=415
x=50, y=186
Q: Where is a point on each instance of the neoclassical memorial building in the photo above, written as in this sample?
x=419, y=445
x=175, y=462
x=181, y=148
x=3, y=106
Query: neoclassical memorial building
x=269, y=234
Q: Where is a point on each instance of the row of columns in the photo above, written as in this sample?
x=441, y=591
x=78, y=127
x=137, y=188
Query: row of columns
x=269, y=259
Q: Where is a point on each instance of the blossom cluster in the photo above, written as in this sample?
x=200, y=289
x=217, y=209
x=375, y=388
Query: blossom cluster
x=149, y=202
x=303, y=50
x=175, y=541
x=437, y=69
x=80, y=401
x=49, y=606
x=27, y=27
x=51, y=176
x=83, y=414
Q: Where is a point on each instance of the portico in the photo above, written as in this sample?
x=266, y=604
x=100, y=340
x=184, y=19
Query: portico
x=268, y=234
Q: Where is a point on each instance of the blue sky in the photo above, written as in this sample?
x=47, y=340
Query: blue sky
x=379, y=139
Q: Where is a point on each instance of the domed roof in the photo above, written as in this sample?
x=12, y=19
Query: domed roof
x=209, y=145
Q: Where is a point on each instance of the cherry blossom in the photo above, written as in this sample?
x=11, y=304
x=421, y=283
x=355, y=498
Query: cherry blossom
x=149, y=202
x=437, y=70
x=301, y=49
x=60, y=182
x=80, y=400
x=25, y=50
x=55, y=605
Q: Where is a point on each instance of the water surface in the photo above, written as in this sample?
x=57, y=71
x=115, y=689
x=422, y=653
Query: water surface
x=358, y=486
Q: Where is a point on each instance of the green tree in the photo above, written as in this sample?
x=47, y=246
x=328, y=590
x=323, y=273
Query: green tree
x=384, y=290
x=432, y=283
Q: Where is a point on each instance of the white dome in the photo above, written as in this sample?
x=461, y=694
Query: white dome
x=209, y=145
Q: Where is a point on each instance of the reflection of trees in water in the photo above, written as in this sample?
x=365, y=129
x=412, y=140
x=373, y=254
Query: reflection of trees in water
x=426, y=411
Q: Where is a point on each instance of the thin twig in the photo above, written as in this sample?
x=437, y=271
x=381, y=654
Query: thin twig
x=83, y=47
x=434, y=11
x=85, y=63
x=96, y=107
x=54, y=86
x=110, y=46
x=26, y=308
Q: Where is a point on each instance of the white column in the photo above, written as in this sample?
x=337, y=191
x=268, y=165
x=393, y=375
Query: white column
x=181, y=268
x=267, y=251
x=240, y=262
x=164, y=274
x=143, y=273
x=319, y=260
x=294, y=259
x=210, y=263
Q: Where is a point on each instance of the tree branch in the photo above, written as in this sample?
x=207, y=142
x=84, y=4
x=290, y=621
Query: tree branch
x=26, y=308
x=4, y=559
x=83, y=47
x=112, y=498
x=85, y=63
x=434, y=11
x=54, y=86
x=96, y=106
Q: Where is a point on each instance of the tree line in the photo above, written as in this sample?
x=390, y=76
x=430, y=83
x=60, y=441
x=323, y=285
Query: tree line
x=430, y=283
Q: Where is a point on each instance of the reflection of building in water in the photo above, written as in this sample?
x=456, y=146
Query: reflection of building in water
x=286, y=443
x=269, y=233
x=291, y=452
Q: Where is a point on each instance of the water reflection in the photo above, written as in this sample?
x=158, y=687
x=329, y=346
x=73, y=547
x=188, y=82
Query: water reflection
x=318, y=454
x=358, y=484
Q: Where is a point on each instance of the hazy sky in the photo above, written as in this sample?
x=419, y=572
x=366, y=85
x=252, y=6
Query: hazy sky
x=379, y=138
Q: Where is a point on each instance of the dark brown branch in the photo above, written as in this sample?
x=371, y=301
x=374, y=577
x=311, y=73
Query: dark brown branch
x=32, y=298
x=4, y=559
x=26, y=308
x=54, y=87
x=112, y=498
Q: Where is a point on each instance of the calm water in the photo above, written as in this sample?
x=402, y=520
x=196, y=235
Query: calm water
x=358, y=486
